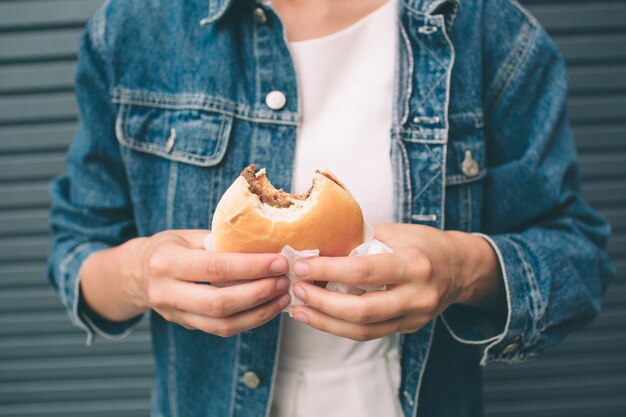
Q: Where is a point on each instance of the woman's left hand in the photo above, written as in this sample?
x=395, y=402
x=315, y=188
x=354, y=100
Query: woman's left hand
x=428, y=271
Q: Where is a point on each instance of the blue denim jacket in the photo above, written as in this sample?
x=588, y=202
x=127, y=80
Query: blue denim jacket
x=172, y=107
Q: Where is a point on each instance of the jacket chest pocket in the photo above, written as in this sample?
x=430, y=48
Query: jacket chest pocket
x=465, y=172
x=174, y=160
x=185, y=135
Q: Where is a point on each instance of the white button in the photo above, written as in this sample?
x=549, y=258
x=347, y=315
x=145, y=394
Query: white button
x=510, y=348
x=259, y=15
x=251, y=380
x=275, y=100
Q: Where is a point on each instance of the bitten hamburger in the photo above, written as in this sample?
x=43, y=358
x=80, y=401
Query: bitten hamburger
x=253, y=216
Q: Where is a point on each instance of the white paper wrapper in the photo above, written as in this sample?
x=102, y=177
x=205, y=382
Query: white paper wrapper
x=371, y=246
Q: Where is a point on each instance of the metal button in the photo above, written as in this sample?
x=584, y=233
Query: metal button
x=251, y=380
x=427, y=30
x=259, y=15
x=275, y=100
x=469, y=166
x=510, y=348
x=169, y=145
x=427, y=120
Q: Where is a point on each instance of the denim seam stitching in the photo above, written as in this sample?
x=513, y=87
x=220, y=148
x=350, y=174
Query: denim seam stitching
x=407, y=189
x=181, y=156
x=511, y=65
x=423, y=370
x=425, y=187
x=460, y=179
x=268, y=408
x=525, y=12
x=233, y=390
x=409, y=76
x=430, y=52
x=171, y=371
x=432, y=89
x=171, y=194
x=98, y=29
x=535, y=293
x=241, y=116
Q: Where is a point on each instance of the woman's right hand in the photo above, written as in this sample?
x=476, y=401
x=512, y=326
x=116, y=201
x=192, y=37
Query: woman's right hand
x=167, y=271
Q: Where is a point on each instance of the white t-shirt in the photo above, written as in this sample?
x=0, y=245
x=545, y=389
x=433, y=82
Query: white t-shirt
x=345, y=82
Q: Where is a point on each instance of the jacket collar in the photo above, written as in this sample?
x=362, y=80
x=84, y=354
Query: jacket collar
x=449, y=8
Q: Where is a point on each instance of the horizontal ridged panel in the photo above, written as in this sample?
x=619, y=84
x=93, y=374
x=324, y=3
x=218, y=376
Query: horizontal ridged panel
x=16, y=275
x=596, y=78
x=32, y=194
x=593, y=49
x=582, y=17
x=31, y=108
x=35, y=76
x=35, y=323
x=74, y=368
x=31, y=167
x=24, y=248
x=39, y=46
x=72, y=345
x=36, y=137
x=594, y=109
x=29, y=14
x=603, y=137
x=603, y=165
x=605, y=193
x=59, y=392
x=108, y=408
x=24, y=221
x=36, y=299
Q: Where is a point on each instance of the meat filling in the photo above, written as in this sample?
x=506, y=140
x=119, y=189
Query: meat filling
x=259, y=184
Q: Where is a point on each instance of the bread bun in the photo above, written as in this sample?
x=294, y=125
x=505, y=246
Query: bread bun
x=253, y=216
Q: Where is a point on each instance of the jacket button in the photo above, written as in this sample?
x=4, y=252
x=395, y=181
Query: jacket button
x=275, y=100
x=469, y=166
x=259, y=15
x=510, y=348
x=251, y=380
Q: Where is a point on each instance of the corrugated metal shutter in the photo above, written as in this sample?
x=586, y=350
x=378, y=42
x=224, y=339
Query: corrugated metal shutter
x=45, y=370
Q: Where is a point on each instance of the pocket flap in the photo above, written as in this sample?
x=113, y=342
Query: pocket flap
x=192, y=136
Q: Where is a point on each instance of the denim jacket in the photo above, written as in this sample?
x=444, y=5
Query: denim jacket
x=172, y=98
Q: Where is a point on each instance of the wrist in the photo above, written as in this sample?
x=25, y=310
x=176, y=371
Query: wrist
x=131, y=264
x=480, y=282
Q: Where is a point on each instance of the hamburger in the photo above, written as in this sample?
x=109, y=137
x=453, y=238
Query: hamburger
x=253, y=216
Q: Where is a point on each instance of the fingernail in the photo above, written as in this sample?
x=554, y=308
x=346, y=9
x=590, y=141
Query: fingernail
x=282, y=284
x=284, y=301
x=301, y=269
x=279, y=266
x=299, y=292
x=301, y=317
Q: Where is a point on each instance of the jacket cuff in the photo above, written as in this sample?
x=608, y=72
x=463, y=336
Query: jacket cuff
x=512, y=341
x=81, y=315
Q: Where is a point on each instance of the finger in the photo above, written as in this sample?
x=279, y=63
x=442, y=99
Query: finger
x=355, y=270
x=371, y=307
x=199, y=265
x=194, y=237
x=338, y=327
x=230, y=326
x=216, y=302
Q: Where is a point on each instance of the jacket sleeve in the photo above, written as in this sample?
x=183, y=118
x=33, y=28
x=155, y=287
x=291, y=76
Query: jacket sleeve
x=91, y=207
x=549, y=242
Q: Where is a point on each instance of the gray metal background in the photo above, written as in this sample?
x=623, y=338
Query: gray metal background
x=45, y=369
